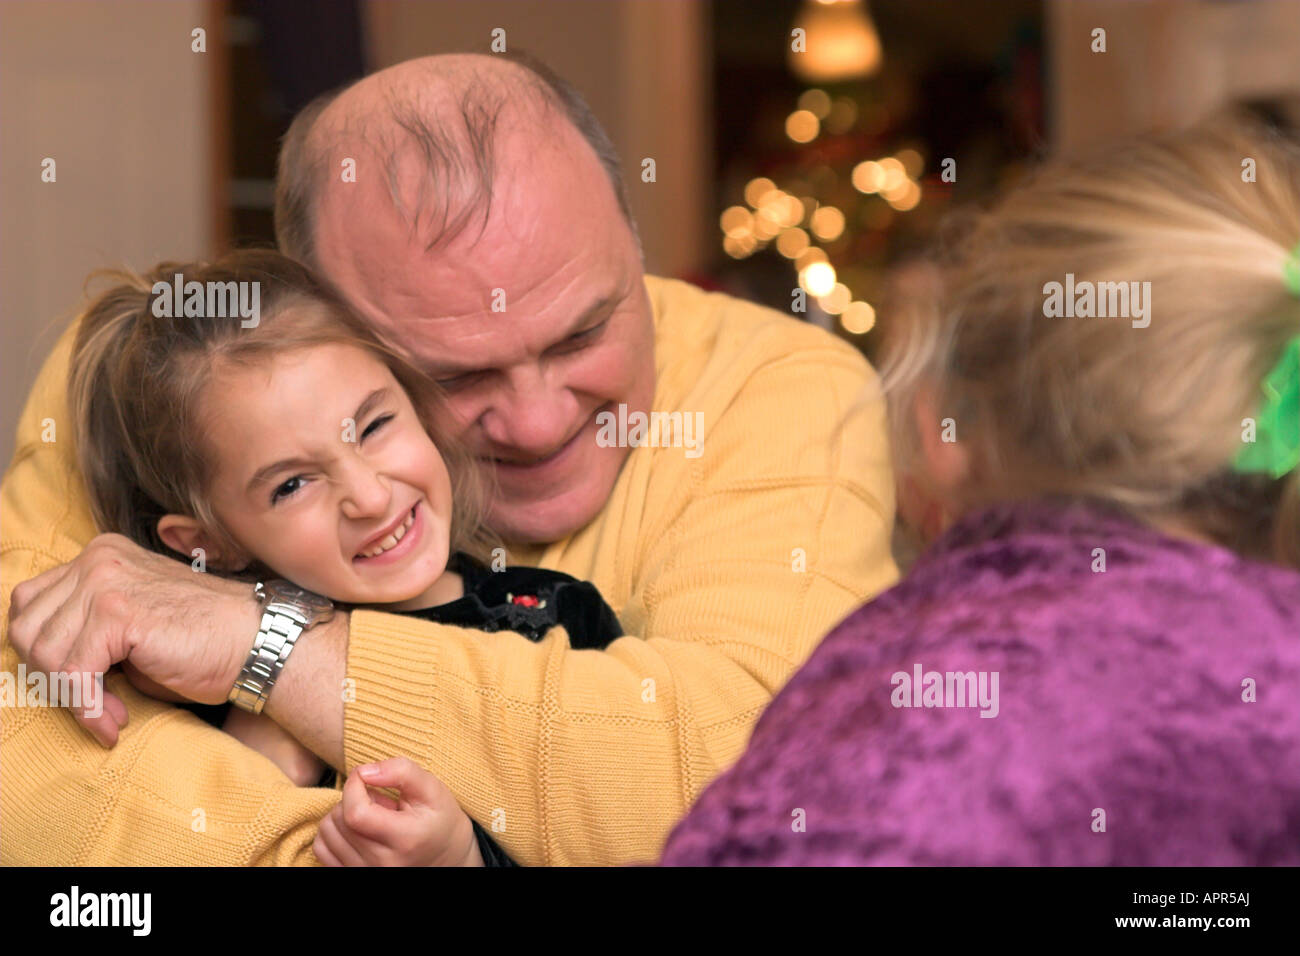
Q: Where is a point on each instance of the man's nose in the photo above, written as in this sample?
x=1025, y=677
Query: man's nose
x=367, y=491
x=531, y=415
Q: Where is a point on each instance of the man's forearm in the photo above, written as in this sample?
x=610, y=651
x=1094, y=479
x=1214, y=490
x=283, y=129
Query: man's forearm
x=307, y=699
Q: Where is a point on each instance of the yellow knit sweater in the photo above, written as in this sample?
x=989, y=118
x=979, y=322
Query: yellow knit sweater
x=725, y=569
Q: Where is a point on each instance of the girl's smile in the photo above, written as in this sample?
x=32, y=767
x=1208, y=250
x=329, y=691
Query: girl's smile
x=324, y=472
x=388, y=547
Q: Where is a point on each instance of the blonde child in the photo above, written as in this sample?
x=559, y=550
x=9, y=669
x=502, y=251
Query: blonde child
x=1097, y=660
x=293, y=444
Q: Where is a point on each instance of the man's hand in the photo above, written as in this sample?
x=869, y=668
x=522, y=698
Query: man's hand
x=115, y=602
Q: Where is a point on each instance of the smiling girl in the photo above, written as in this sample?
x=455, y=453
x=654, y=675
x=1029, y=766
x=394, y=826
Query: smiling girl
x=303, y=448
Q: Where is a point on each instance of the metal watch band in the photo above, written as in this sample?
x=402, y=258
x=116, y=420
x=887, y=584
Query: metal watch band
x=281, y=628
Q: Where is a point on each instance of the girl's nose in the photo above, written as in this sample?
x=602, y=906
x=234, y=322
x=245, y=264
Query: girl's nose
x=368, y=492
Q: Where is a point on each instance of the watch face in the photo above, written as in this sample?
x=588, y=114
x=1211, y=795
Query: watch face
x=280, y=590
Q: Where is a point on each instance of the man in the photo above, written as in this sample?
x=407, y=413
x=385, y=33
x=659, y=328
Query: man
x=471, y=209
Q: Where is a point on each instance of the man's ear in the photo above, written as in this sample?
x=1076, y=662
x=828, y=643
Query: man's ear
x=185, y=535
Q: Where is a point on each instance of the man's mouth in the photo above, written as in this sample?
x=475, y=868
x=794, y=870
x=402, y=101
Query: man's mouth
x=532, y=463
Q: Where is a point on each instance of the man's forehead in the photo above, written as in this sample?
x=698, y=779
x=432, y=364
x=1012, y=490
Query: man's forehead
x=538, y=248
x=544, y=209
x=474, y=336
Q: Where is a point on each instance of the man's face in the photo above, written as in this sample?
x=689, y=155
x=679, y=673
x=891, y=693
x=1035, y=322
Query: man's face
x=532, y=328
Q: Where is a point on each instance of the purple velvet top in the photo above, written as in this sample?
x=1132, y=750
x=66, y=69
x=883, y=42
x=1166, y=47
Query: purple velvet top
x=1123, y=702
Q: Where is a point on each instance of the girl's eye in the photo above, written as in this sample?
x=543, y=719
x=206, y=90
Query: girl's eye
x=286, y=490
x=377, y=424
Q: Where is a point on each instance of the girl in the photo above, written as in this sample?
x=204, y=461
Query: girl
x=297, y=445
x=1098, y=659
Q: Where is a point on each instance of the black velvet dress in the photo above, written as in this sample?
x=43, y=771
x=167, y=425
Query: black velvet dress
x=529, y=601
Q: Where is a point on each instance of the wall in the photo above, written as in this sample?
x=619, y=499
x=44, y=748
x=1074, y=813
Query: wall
x=1168, y=63
x=642, y=66
x=114, y=95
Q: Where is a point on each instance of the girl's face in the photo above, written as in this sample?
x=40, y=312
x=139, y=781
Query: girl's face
x=321, y=462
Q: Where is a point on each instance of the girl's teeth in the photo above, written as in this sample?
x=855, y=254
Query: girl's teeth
x=393, y=538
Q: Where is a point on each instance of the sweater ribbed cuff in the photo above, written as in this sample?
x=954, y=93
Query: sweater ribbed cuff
x=393, y=661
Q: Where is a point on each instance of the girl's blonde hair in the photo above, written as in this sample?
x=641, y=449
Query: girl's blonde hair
x=1148, y=418
x=136, y=381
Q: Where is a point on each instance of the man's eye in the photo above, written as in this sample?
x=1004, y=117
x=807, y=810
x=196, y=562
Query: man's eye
x=286, y=490
x=456, y=381
x=377, y=424
x=585, y=337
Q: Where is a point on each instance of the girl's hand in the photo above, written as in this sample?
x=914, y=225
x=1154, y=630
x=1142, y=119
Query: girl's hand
x=271, y=740
x=426, y=827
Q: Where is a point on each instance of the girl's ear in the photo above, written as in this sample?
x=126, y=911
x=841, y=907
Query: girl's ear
x=934, y=497
x=946, y=459
x=185, y=535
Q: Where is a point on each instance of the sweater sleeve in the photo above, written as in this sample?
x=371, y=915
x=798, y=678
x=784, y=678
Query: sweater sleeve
x=173, y=790
x=588, y=757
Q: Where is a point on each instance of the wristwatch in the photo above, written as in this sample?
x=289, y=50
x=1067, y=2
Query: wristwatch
x=289, y=610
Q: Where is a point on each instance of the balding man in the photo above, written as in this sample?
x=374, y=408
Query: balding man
x=485, y=233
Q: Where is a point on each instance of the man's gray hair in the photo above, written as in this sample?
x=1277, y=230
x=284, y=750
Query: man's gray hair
x=460, y=162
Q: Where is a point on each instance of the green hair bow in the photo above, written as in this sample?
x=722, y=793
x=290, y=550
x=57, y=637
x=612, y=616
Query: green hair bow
x=1276, y=449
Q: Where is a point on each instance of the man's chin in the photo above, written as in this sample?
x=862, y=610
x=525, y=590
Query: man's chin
x=542, y=523
x=539, y=519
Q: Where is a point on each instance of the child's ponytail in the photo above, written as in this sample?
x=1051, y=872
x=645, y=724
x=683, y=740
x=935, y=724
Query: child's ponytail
x=128, y=411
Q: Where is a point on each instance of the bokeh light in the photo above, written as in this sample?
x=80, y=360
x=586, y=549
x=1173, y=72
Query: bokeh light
x=858, y=318
x=792, y=242
x=802, y=126
x=809, y=256
x=739, y=247
x=736, y=221
x=907, y=198
x=837, y=300
x=827, y=223
x=895, y=174
x=844, y=113
x=817, y=102
x=868, y=177
x=912, y=162
x=756, y=189
x=818, y=279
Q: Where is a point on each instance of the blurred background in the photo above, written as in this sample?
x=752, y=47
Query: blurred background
x=798, y=144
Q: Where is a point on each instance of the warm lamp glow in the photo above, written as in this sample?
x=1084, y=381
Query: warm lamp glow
x=840, y=42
